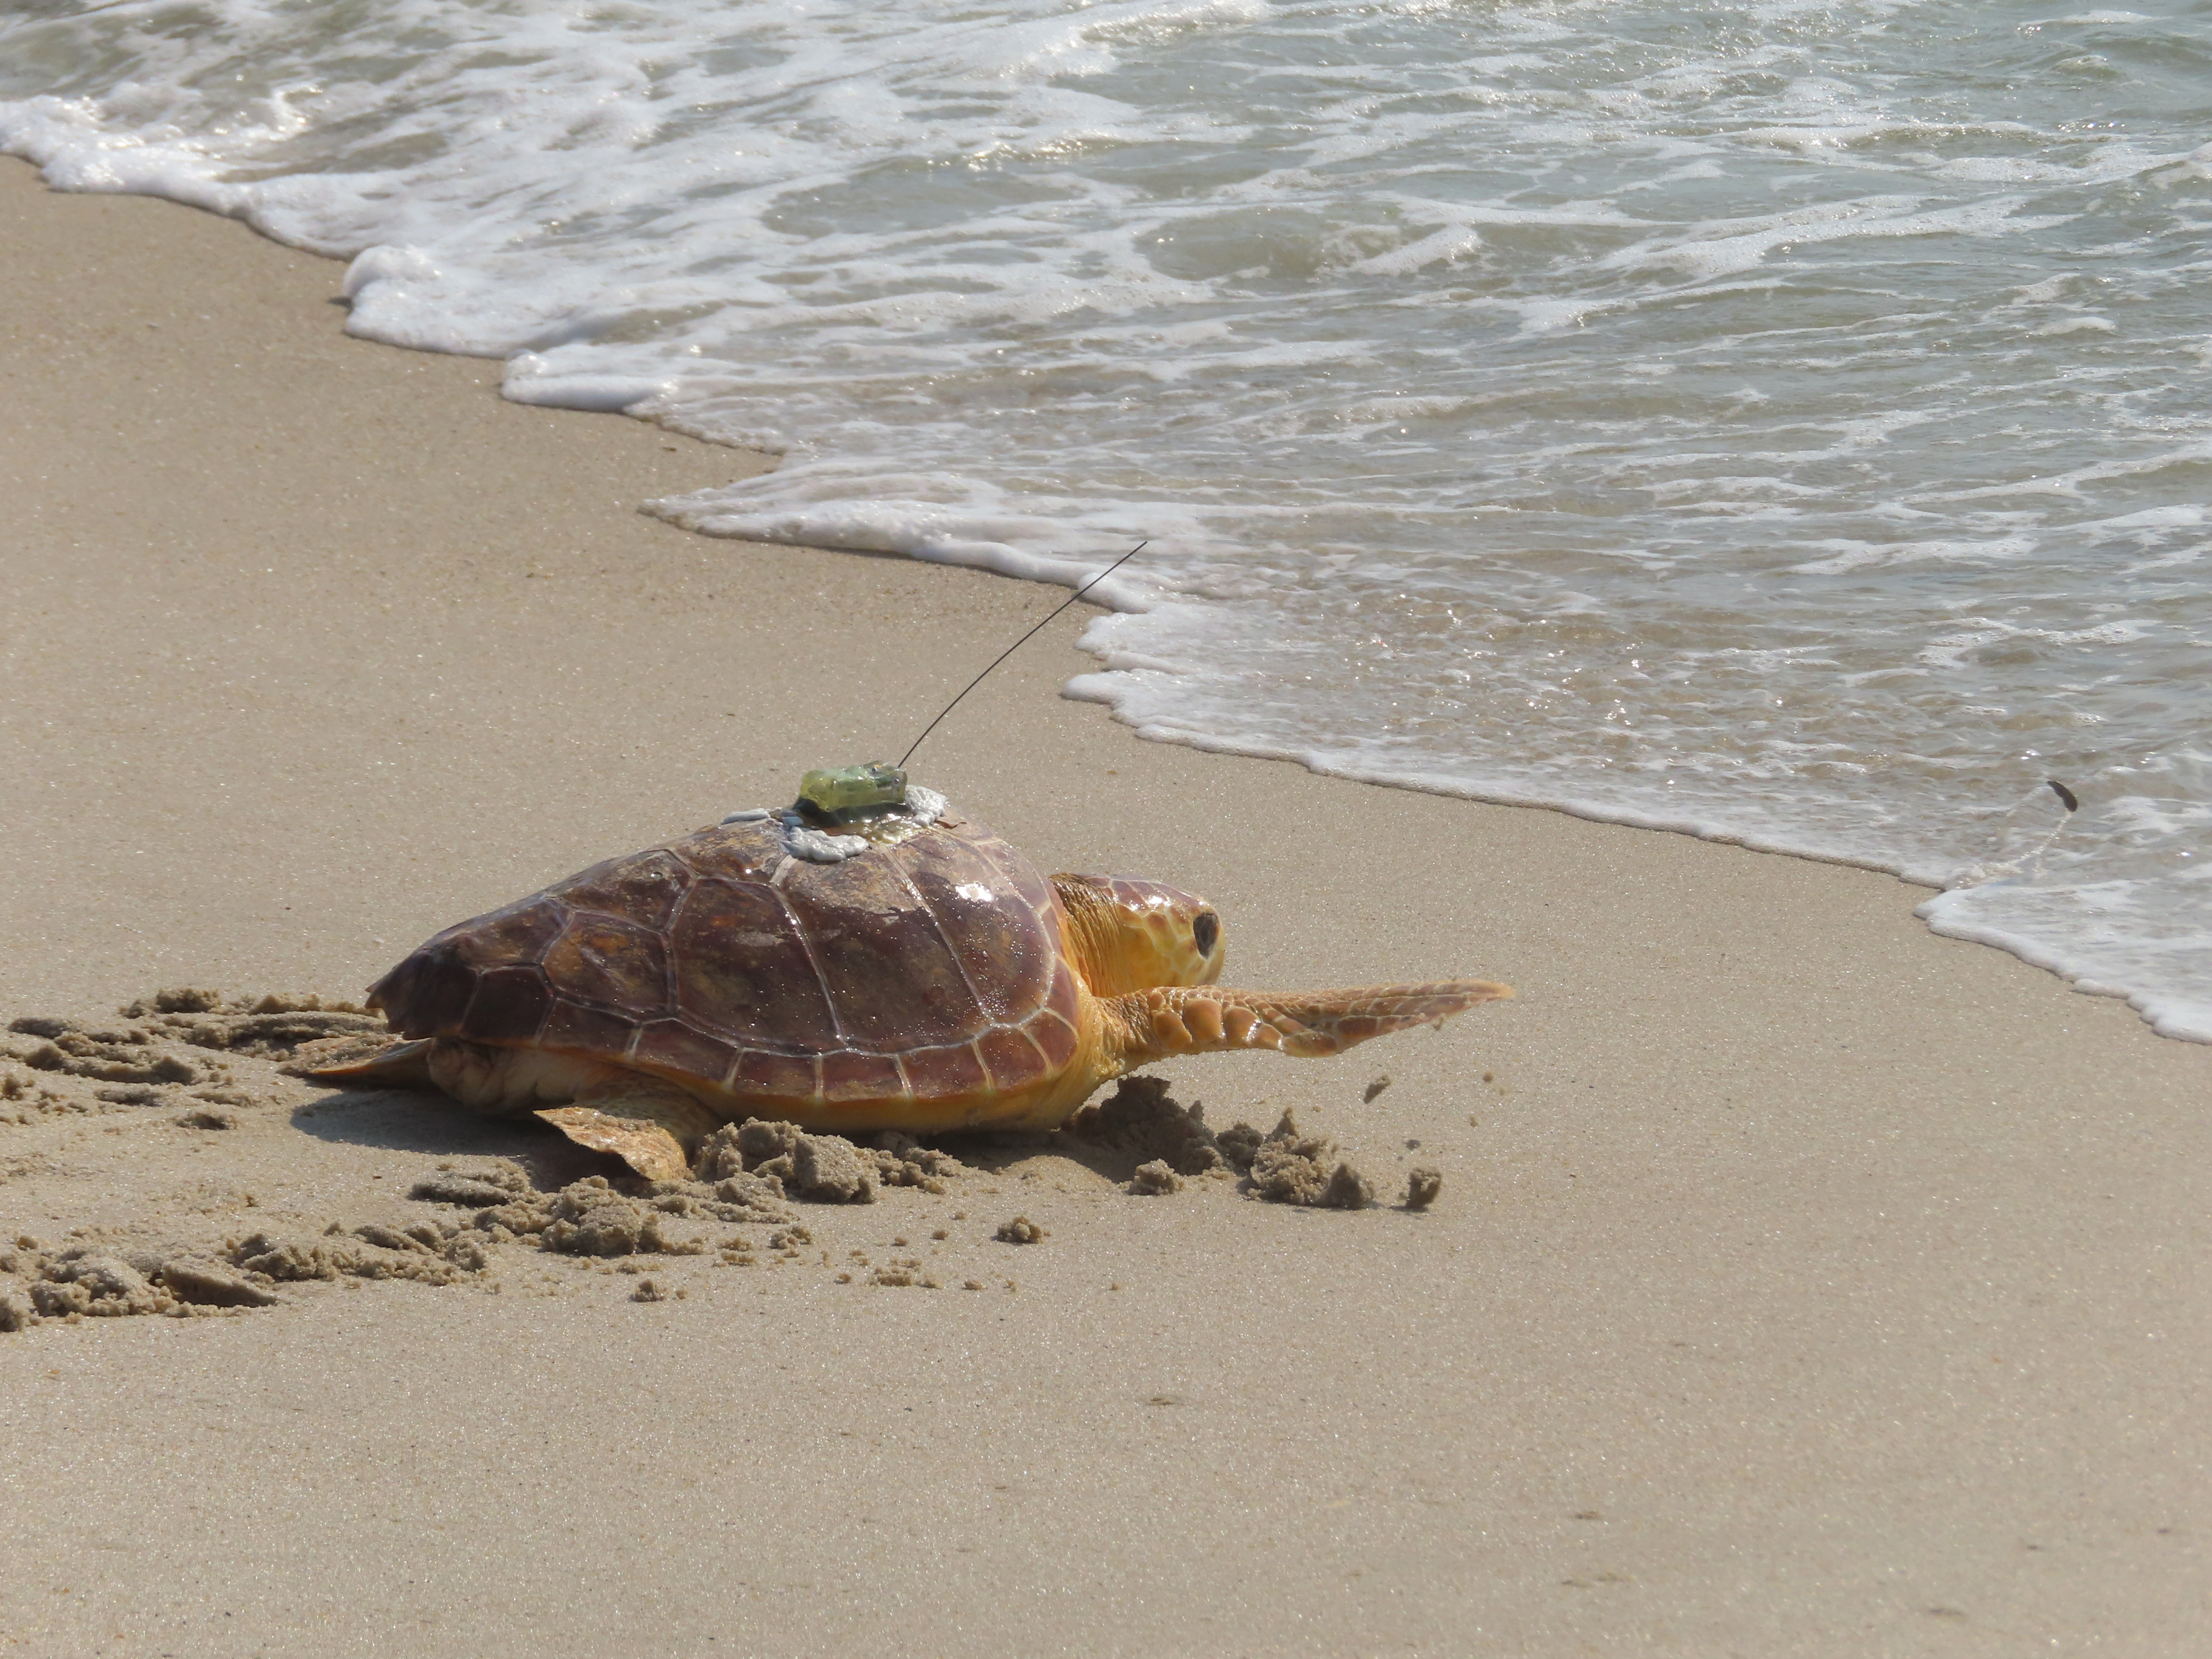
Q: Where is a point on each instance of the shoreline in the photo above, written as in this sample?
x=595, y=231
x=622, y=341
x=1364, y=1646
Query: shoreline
x=2170, y=1016
x=1803, y=1280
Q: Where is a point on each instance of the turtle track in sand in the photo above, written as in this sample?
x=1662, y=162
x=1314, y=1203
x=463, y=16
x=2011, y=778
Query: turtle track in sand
x=173, y=1134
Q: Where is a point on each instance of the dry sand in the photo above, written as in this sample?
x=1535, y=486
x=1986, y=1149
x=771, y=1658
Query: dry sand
x=1799, y=1283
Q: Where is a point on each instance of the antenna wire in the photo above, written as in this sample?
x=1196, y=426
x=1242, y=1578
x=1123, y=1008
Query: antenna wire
x=1020, y=643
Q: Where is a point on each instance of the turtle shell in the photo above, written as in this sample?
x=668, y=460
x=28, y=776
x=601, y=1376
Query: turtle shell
x=930, y=970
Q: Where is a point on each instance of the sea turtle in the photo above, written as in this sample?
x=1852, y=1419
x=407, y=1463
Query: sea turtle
x=892, y=966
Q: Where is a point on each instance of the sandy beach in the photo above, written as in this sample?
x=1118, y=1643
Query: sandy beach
x=1801, y=1283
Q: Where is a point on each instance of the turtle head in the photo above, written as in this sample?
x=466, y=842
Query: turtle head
x=1128, y=935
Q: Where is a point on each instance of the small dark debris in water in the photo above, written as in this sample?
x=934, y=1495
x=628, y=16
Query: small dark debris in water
x=1375, y=1088
x=1422, y=1186
x=2072, y=802
x=1020, y=1230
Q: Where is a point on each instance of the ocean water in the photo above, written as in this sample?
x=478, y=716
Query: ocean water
x=1789, y=423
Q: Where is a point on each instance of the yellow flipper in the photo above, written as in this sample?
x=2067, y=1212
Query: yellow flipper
x=1152, y=1024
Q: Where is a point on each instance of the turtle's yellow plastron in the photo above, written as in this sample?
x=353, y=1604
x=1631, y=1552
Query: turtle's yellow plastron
x=876, y=964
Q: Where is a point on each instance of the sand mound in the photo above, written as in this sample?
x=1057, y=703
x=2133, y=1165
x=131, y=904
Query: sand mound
x=477, y=1189
x=90, y=1281
x=272, y=1027
x=1155, y=1178
x=587, y=1218
x=821, y=1168
x=1140, y=1118
x=95, y=1286
x=169, y=1051
x=205, y=1078
x=1422, y=1183
x=590, y=1216
x=209, y=1064
x=1290, y=1167
x=211, y=1285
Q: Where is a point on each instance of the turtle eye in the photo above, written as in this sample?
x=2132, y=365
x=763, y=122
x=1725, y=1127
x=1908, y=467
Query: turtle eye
x=1205, y=929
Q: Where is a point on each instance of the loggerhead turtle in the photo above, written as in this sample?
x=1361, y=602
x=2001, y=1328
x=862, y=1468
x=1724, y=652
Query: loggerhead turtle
x=893, y=966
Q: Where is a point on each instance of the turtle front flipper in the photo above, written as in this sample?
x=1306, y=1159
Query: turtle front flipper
x=655, y=1131
x=1152, y=1024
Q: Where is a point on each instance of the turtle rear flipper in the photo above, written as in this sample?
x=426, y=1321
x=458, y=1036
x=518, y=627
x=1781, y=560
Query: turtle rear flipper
x=654, y=1131
x=1152, y=1024
x=402, y=1065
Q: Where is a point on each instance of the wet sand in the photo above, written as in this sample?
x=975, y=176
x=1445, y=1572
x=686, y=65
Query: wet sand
x=1799, y=1283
